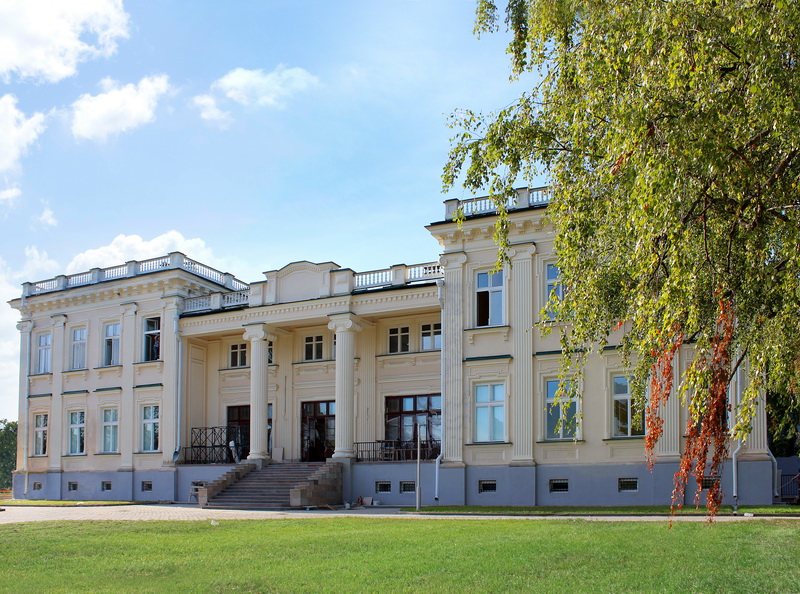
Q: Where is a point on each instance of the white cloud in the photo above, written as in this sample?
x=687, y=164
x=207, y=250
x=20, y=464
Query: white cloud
x=124, y=248
x=118, y=109
x=9, y=194
x=17, y=132
x=46, y=39
x=207, y=105
x=47, y=218
x=254, y=87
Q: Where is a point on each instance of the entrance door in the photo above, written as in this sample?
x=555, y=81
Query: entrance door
x=239, y=417
x=318, y=430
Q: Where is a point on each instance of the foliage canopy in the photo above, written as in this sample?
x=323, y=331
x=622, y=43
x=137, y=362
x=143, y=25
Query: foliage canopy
x=670, y=133
x=8, y=451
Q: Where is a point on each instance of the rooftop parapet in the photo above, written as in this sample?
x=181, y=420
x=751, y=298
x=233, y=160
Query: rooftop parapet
x=172, y=261
x=525, y=198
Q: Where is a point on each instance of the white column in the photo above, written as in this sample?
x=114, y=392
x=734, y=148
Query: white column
x=23, y=441
x=258, y=336
x=520, y=284
x=453, y=357
x=345, y=328
x=56, y=421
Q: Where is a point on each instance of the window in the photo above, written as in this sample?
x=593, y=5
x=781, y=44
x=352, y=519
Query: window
x=490, y=415
x=628, y=485
x=562, y=421
x=40, y=435
x=431, y=337
x=152, y=339
x=44, y=343
x=269, y=352
x=489, y=299
x=708, y=482
x=78, y=348
x=110, y=429
x=37, y=486
x=627, y=422
x=408, y=487
x=147, y=486
x=313, y=351
x=239, y=355
x=408, y=415
x=150, y=428
x=383, y=487
x=77, y=432
x=559, y=485
x=72, y=486
x=111, y=344
x=487, y=486
x=553, y=288
x=399, y=340
x=105, y=486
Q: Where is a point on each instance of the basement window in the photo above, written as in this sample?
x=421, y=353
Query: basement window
x=628, y=485
x=708, y=481
x=72, y=486
x=147, y=486
x=559, y=485
x=105, y=486
x=383, y=487
x=487, y=486
x=408, y=487
x=37, y=486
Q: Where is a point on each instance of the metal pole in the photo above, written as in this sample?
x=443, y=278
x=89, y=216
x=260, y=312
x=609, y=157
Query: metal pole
x=419, y=449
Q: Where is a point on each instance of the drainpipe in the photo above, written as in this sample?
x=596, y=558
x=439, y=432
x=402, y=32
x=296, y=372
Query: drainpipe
x=735, y=460
x=179, y=388
x=775, y=487
x=440, y=295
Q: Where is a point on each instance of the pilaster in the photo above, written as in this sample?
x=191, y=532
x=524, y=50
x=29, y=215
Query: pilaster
x=452, y=357
x=23, y=427
x=170, y=398
x=521, y=409
x=56, y=421
x=259, y=335
x=127, y=412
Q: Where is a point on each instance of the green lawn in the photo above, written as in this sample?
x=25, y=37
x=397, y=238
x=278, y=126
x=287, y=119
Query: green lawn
x=396, y=555
x=59, y=503
x=725, y=510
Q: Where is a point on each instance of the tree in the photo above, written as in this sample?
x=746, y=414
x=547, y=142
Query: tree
x=8, y=451
x=670, y=132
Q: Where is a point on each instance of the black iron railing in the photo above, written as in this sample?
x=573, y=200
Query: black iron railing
x=396, y=451
x=210, y=445
x=790, y=488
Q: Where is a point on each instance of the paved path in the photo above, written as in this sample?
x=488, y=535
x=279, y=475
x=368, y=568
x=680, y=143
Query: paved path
x=14, y=514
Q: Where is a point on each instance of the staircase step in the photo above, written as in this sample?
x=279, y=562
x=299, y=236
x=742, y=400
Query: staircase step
x=266, y=488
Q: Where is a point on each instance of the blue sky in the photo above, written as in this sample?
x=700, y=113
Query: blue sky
x=246, y=134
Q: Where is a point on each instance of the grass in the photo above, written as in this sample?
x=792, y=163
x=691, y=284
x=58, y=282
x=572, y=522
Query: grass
x=401, y=555
x=725, y=510
x=56, y=503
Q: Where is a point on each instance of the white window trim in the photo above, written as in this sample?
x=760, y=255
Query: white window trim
x=115, y=340
x=242, y=355
x=432, y=333
x=546, y=409
x=398, y=332
x=503, y=296
x=77, y=363
x=490, y=405
x=40, y=349
x=114, y=425
x=146, y=333
x=612, y=399
x=81, y=430
x=40, y=430
x=318, y=345
x=558, y=287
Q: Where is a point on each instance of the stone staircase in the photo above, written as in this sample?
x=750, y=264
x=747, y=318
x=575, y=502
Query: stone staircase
x=267, y=488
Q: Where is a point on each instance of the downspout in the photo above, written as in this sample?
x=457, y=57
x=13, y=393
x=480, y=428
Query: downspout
x=775, y=476
x=735, y=460
x=27, y=314
x=179, y=388
x=440, y=296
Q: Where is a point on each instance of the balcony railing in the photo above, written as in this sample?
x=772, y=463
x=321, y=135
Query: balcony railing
x=398, y=275
x=172, y=261
x=396, y=451
x=210, y=445
x=525, y=197
x=216, y=301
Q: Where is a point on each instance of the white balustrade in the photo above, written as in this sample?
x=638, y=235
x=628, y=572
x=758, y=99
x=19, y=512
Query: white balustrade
x=234, y=299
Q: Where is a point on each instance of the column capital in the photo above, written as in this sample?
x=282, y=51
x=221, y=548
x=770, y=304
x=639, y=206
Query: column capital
x=129, y=309
x=344, y=323
x=453, y=260
x=258, y=332
x=59, y=320
x=521, y=251
x=25, y=325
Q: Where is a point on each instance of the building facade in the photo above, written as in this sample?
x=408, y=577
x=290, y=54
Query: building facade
x=140, y=379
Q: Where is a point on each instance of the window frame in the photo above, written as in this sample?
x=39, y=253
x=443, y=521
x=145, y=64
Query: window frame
x=314, y=347
x=40, y=432
x=433, y=418
x=153, y=443
x=432, y=332
x=111, y=344
x=44, y=353
x=489, y=405
x=494, y=291
x=77, y=349
x=552, y=285
x=550, y=405
x=109, y=427
x=399, y=340
x=76, y=430
x=624, y=397
x=237, y=355
x=151, y=340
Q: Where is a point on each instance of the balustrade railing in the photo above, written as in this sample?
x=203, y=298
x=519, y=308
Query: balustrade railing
x=236, y=298
x=396, y=451
x=210, y=445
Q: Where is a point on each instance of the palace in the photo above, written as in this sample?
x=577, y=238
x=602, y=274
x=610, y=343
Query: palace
x=144, y=380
